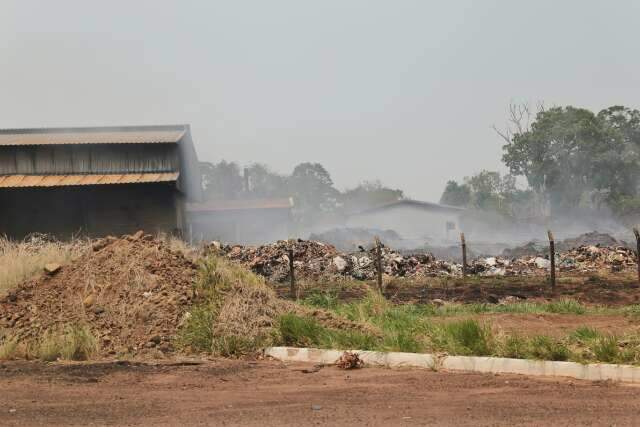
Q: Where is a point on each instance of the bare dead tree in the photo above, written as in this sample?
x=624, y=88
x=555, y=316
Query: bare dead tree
x=518, y=120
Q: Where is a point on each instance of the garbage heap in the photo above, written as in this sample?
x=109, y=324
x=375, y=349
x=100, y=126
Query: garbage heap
x=316, y=260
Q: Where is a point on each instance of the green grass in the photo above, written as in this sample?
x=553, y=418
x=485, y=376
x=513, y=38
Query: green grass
x=546, y=348
x=465, y=337
x=605, y=349
x=412, y=328
x=406, y=328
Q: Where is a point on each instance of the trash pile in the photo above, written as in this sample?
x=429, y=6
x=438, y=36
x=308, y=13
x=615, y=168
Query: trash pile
x=539, y=247
x=132, y=293
x=350, y=239
x=316, y=260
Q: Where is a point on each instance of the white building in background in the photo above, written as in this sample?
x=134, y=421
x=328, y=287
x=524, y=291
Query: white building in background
x=412, y=220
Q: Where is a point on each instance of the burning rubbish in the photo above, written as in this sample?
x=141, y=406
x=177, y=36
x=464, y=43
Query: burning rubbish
x=316, y=260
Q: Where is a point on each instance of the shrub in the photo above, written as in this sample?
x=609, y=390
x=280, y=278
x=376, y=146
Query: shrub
x=606, y=349
x=585, y=333
x=73, y=342
x=197, y=329
x=515, y=347
x=466, y=337
x=546, y=348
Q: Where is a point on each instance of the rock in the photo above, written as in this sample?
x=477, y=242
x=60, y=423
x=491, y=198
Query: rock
x=491, y=261
x=98, y=310
x=52, y=268
x=340, y=263
x=542, y=262
x=438, y=302
x=165, y=347
x=89, y=300
x=316, y=407
x=155, y=339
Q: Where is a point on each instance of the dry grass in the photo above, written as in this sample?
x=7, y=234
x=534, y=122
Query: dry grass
x=22, y=260
x=73, y=341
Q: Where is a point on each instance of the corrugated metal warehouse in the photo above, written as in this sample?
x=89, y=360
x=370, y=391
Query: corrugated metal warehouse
x=96, y=181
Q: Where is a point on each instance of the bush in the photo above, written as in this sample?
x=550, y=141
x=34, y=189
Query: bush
x=73, y=342
x=466, y=337
x=546, y=348
x=585, y=334
x=197, y=329
x=606, y=349
x=515, y=347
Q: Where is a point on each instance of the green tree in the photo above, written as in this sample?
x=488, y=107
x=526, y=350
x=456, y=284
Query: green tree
x=221, y=180
x=455, y=194
x=313, y=191
x=368, y=194
x=556, y=153
x=263, y=183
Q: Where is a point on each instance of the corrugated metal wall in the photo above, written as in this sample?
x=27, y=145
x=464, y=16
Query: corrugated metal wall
x=81, y=159
x=94, y=210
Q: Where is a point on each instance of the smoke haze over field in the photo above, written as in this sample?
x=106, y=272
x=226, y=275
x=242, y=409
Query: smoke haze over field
x=404, y=91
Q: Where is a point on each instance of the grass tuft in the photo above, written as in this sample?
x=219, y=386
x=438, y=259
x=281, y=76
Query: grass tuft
x=73, y=342
x=546, y=348
x=466, y=337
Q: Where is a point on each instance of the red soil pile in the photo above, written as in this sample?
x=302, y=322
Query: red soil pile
x=132, y=293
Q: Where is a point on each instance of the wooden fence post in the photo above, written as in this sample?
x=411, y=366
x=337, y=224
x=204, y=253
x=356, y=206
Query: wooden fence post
x=379, y=263
x=637, y=233
x=292, y=275
x=552, y=258
x=463, y=242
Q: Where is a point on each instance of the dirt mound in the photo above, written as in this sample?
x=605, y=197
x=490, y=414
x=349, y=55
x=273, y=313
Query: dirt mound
x=131, y=292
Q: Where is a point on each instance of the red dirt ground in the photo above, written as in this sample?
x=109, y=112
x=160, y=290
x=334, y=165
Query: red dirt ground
x=603, y=288
x=224, y=392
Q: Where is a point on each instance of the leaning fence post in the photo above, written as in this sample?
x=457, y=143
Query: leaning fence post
x=463, y=242
x=552, y=258
x=637, y=233
x=379, y=263
x=292, y=276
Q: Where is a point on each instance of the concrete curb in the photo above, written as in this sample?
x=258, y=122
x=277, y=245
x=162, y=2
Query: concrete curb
x=592, y=372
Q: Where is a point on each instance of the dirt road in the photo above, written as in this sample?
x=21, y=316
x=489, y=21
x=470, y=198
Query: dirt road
x=271, y=393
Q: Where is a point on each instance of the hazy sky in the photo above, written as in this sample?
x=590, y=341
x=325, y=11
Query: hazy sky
x=403, y=91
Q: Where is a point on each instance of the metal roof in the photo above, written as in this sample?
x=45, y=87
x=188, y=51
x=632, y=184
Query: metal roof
x=88, y=136
x=427, y=206
x=21, y=181
x=242, y=204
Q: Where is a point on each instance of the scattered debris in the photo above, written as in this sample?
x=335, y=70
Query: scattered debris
x=349, y=360
x=317, y=261
x=349, y=239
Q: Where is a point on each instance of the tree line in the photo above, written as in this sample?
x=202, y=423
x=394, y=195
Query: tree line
x=310, y=185
x=568, y=157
